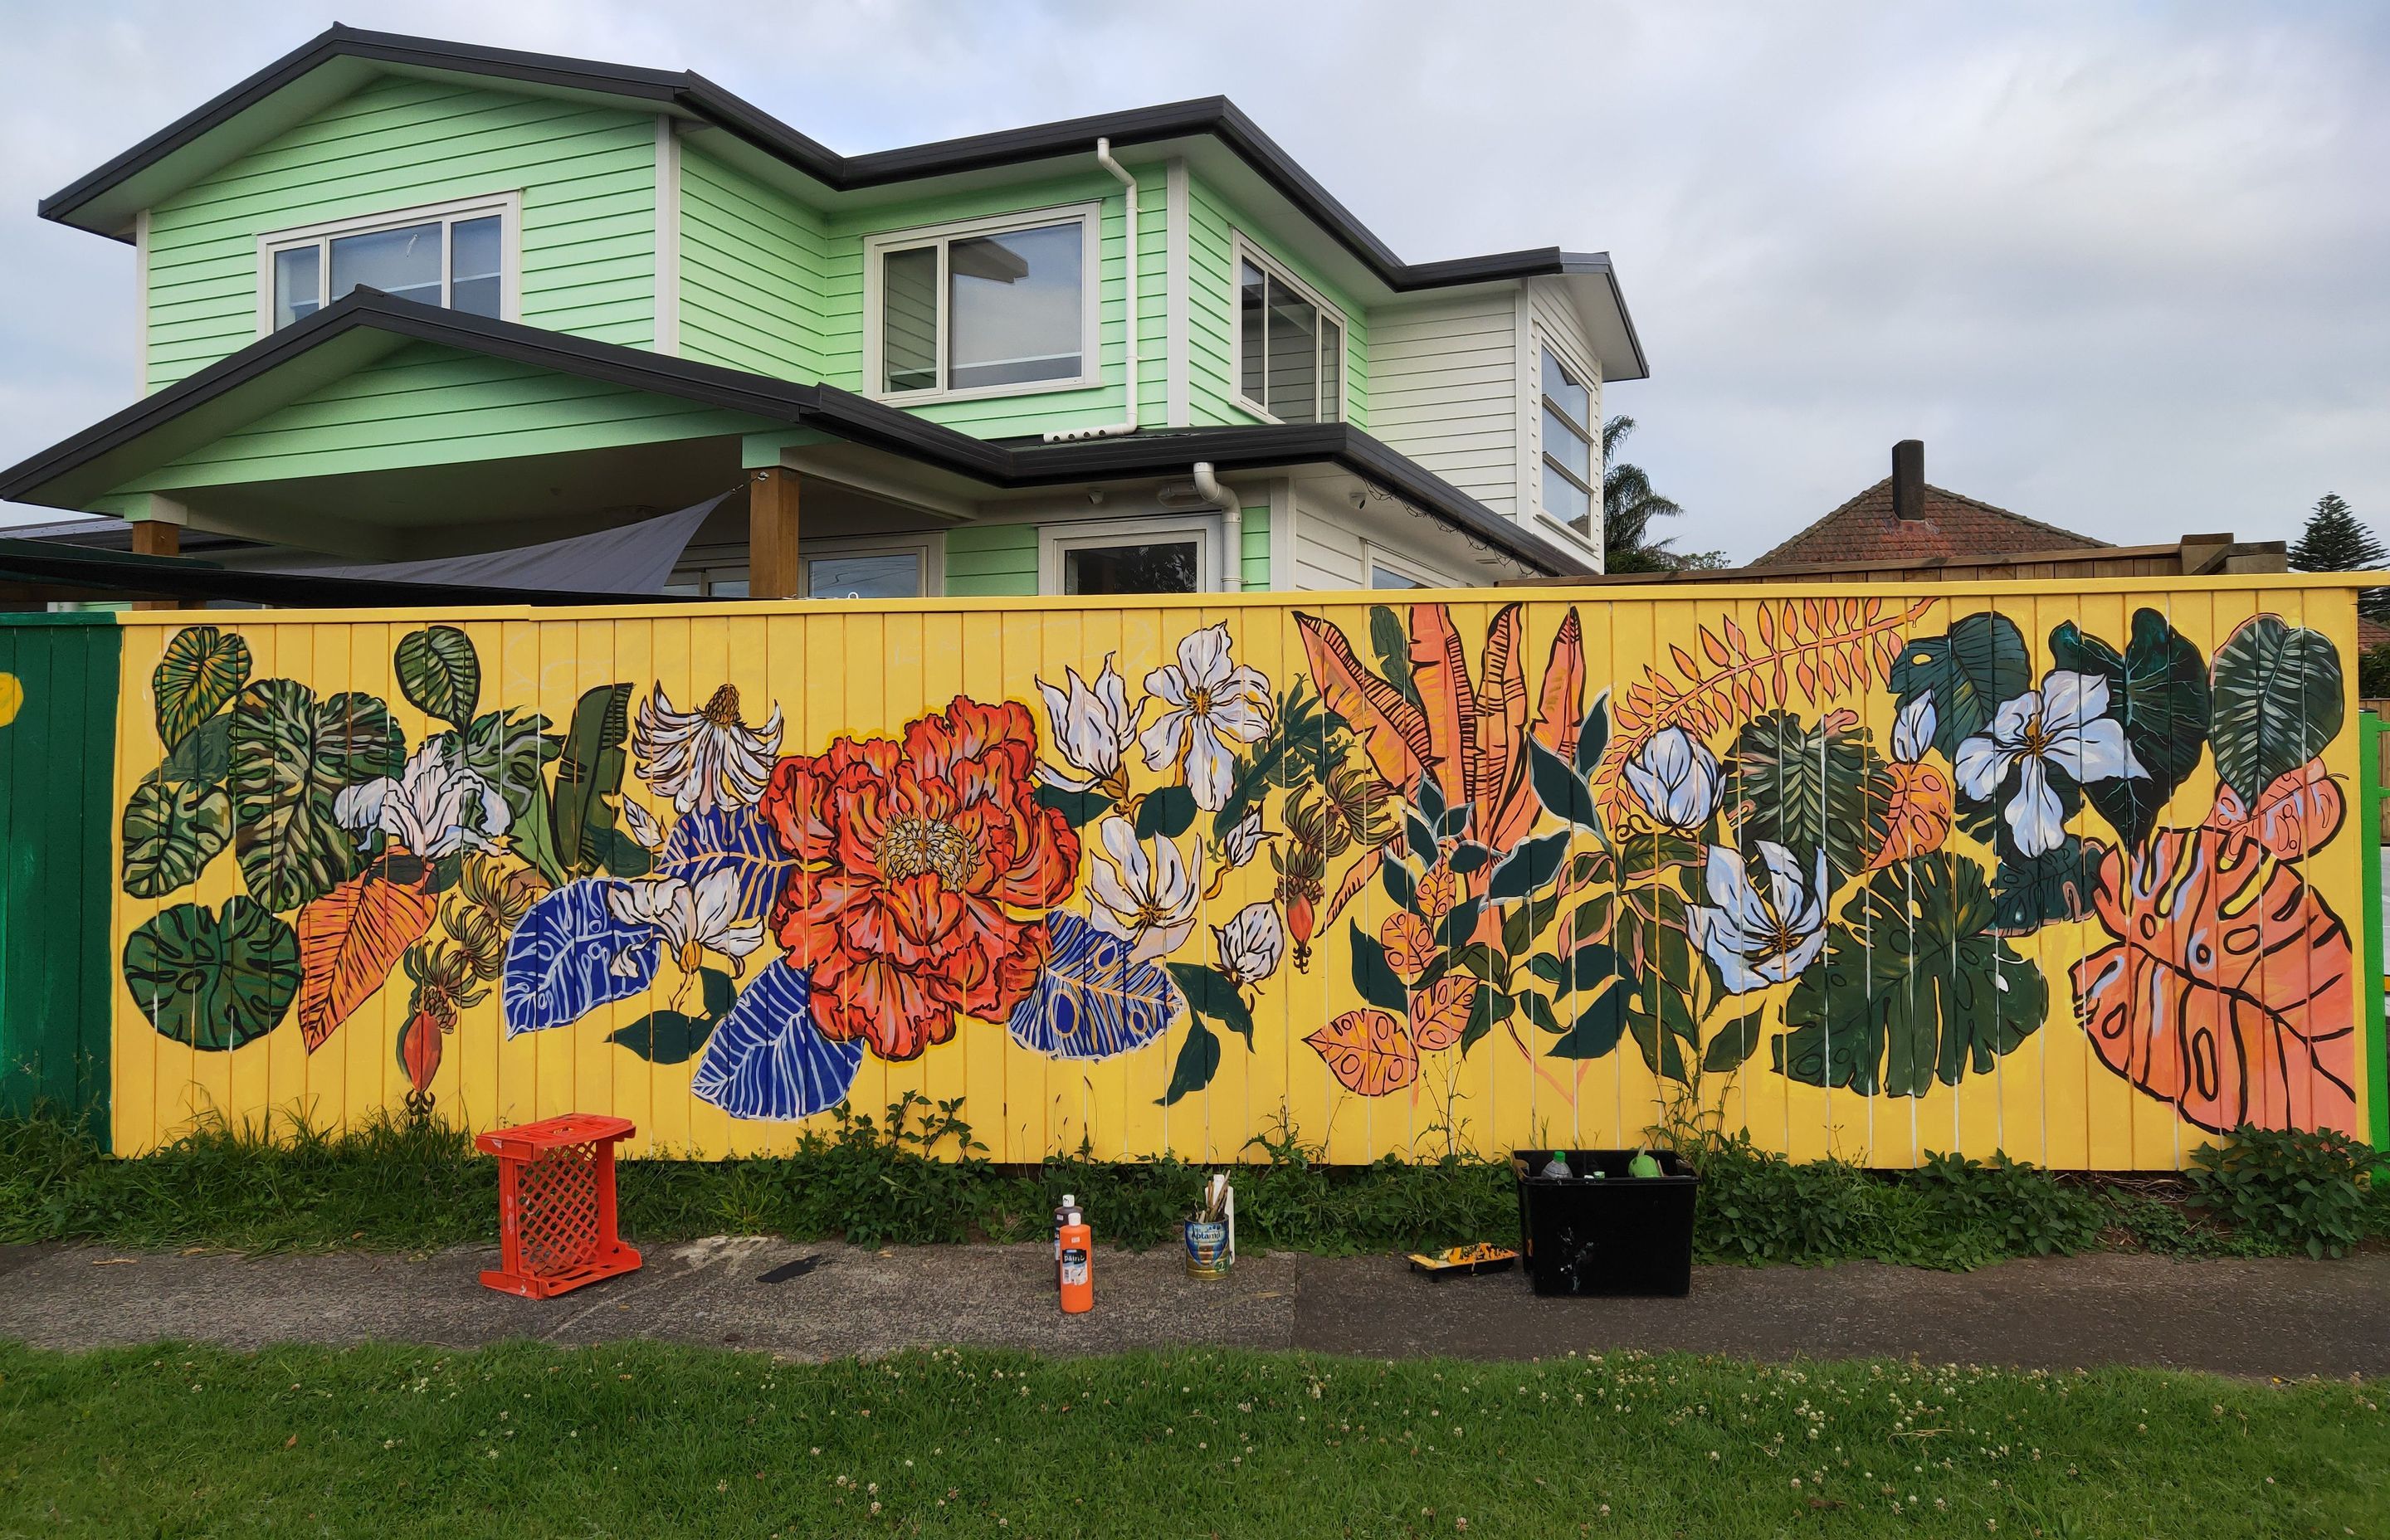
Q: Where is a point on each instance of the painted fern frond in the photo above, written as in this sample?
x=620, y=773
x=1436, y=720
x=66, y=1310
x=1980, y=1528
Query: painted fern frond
x=1811, y=649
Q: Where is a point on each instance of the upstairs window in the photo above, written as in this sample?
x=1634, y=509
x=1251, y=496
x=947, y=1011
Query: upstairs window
x=453, y=255
x=1568, y=445
x=1289, y=345
x=986, y=307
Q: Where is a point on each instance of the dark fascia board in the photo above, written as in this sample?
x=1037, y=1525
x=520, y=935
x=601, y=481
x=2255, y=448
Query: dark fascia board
x=86, y=570
x=368, y=316
x=692, y=94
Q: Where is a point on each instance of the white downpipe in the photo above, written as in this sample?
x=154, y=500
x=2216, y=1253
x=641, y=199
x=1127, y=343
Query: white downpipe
x=1232, y=527
x=1113, y=431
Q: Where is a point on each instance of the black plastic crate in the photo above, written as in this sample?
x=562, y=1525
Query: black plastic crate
x=1616, y=1234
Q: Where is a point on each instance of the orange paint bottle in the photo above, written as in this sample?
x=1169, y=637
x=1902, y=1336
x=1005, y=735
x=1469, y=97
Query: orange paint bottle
x=1078, y=1265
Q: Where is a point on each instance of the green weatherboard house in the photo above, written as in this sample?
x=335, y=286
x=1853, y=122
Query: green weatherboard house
x=405, y=299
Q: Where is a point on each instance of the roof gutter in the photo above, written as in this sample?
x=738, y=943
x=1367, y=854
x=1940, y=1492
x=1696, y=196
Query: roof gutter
x=1128, y=423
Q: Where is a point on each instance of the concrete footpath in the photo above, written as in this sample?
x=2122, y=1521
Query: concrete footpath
x=2285, y=1318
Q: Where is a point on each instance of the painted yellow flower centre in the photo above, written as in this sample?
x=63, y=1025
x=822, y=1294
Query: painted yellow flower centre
x=912, y=846
x=723, y=709
x=1199, y=702
x=2038, y=738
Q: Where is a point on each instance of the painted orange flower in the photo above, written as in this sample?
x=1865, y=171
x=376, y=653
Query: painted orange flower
x=911, y=859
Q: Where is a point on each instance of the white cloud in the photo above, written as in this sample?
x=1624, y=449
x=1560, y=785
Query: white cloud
x=2119, y=267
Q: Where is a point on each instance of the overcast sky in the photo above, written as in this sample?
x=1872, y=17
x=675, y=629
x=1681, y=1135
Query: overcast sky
x=2123, y=268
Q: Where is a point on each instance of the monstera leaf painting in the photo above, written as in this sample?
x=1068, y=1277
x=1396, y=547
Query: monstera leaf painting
x=1809, y=788
x=2277, y=702
x=172, y=831
x=440, y=674
x=202, y=669
x=1979, y=662
x=2157, y=690
x=569, y=955
x=768, y=1061
x=1093, y=1000
x=588, y=778
x=213, y=979
x=1915, y=988
x=510, y=750
x=2229, y=989
x=291, y=755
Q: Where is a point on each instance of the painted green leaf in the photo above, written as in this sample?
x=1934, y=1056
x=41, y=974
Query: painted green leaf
x=291, y=755
x=1807, y=787
x=204, y=756
x=1734, y=1043
x=2277, y=702
x=588, y=778
x=1392, y=642
x=1561, y=786
x=1373, y=977
x=202, y=669
x=172, y=831
x=510, y=750
x=1913, y=989
x=1167, y=812
x=1198, y=1062
x=2031, y=892
x=2157, y=691
x=214, y=980
x=1078, y=808
x=440, y=674
x=1598, y=1001
x=1212, y=994
x=1529, y=867
x=1973, y=667
x=673, y=1036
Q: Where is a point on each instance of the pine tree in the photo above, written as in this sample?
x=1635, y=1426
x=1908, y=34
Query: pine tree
x=2335, y=541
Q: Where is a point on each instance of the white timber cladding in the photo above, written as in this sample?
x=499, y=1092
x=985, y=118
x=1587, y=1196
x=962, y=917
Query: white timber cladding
x=667, y=238
x=1444, y=388
x=1547, y=319
x=1335, y=544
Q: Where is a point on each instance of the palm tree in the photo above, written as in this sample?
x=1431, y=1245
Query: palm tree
x=1628, y=506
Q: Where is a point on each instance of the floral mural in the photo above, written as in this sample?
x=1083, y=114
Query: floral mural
x=1457, y=839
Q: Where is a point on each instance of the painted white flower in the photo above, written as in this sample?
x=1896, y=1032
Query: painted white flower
x=2065, y=727
x=1243, y=841
x=1250, y=943
x=1675, y=778
x=689, y=919
x=434, y=807
x=705, y=759
x=1212, y=706
x=1092, y=727
x=1912, y=732
x=1144, y=892
x=642, y=826
x=1755, y=938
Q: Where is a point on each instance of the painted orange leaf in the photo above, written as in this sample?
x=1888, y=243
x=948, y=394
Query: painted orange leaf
x=1367, y=1051
x=1440, y=1014
x=1917, y=819
x=2296, y=813
x=1438, y=892
x=1392, y=730
x=1559, y=708
x=349, y=939
x=1409, y=947
x=2228, y=990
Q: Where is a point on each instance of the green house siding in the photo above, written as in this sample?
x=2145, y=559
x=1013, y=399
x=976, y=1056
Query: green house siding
x=57, y=768
x=1213, y=225
x=587, y=175
x=992, y=561
x=1253, y=551
x=751, y=261
x=426, y=404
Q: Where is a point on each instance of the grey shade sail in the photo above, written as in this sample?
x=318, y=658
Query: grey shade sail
x=632, y=558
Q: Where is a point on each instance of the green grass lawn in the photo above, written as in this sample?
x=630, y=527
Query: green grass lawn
x=653, y=1441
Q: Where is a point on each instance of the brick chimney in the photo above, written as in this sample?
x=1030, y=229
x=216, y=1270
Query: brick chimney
x=1909, y=479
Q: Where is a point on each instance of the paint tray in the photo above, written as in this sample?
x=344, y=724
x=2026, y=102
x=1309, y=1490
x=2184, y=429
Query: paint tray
x=1464, y=1260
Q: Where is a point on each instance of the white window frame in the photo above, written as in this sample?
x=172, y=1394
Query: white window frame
x=1055, y=540
x=507, y=206
x=1091, y=284
x=1243, y=251
x=927, y=547
x=1374, y=557
x=1590, y=381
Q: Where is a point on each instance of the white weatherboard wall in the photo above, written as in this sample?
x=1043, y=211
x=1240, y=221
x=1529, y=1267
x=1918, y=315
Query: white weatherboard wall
x=1547, y=319
x=1446, y=391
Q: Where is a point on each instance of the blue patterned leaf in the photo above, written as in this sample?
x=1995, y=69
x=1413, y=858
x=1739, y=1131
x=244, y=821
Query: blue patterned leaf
x=561, y=960
x=704, y=844
x=1092, y=1001
x=767, y=1061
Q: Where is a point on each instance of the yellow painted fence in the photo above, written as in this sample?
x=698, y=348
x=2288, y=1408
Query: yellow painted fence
x=2063, y=871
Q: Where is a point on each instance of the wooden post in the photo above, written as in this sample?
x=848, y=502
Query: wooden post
x=157, y=537
x=771, y=570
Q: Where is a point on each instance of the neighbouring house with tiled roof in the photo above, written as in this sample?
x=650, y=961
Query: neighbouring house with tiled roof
x=1901, y=519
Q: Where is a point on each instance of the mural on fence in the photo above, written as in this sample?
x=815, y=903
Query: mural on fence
x=1814, y=841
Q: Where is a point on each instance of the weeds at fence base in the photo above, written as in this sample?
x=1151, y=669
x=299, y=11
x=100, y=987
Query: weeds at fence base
x=916, y=1175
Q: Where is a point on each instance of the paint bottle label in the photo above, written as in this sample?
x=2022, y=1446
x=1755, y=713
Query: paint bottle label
x=1075, y=1265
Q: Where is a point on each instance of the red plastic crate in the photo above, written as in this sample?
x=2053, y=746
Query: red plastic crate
x=556, y=1204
